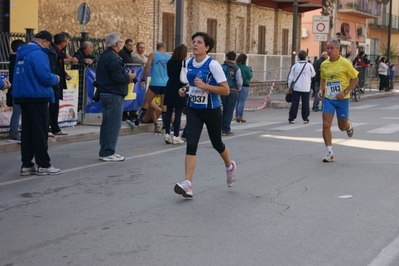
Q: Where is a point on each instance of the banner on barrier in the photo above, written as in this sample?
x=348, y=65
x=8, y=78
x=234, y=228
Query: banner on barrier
x=133, y=100
x=69, y=105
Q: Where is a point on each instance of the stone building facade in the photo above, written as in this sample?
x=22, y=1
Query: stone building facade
x=236, y=25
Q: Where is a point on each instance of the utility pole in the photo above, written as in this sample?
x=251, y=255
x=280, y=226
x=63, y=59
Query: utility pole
x=294, y=28
x=389, y=31
x=179, y=22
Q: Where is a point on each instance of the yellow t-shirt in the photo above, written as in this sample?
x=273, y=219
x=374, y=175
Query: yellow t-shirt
x=337, y=75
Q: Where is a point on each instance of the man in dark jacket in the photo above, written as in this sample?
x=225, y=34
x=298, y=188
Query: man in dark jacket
x=316, y=80
x=125, y=54
x=56, y=58
x=112, y=85
x=234, y=79
x=32, y=90
x=85, y=54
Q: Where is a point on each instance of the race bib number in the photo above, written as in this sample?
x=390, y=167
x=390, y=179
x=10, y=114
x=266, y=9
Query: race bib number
x=198, y=96
x=333, y=88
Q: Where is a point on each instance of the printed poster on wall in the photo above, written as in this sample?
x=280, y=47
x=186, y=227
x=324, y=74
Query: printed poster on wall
x=5, y=111
x=68, y=110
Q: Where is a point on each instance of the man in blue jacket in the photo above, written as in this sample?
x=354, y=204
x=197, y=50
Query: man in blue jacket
x=32, y=89
x=112, y=84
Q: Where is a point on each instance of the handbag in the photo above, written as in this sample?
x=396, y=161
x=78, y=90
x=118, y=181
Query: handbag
x=183, y=73
x=288, y=95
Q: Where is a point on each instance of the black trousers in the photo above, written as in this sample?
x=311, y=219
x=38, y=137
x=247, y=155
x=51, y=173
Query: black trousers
x=54, y=109
x=34, y=134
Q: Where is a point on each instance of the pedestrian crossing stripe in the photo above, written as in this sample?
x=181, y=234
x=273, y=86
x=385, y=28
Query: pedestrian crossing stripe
x=392, y=107
x=364, y=106
x=355, y=143
x=388, y=129
x=335, y=128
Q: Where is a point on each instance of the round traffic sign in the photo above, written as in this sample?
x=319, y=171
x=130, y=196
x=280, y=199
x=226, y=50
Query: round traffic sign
x=320, y=27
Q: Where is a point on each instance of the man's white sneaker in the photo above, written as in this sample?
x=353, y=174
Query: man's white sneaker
x=48, y=171
x=25, y=171
x=329, y=158
x=177, y=140
x=351, y=130
x=112, y=158
x=168, y=139
x=231, y=174
x=184, y=189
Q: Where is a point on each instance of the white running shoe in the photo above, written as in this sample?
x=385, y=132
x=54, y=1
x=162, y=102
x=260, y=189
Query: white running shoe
x=112, y=158
x=351, y=130
x=231, y=175
x=184, y=189
x=177, y=140
x=329, y=158
x=168, y=139
x=48, y=171
x=25, y=171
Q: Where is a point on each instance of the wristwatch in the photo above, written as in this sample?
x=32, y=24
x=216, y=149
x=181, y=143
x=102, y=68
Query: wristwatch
x=346, y=92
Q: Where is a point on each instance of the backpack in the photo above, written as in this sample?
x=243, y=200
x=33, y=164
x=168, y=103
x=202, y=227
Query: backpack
x=230, y=73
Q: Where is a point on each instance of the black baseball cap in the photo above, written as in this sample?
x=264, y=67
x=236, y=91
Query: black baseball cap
x=44, y=35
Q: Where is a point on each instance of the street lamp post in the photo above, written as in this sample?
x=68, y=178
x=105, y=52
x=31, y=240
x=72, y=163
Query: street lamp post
x=389, y=31
x=294, y=28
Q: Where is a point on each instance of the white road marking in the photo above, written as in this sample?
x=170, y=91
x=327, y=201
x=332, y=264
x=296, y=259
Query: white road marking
x=126, y=159
x=250, y=125
x=295, y=126
x=389, y=129
x=335, y=128
x=388, y=255
x=365, y=106
x=356, y=143
x=392, y=107
x=387, y=117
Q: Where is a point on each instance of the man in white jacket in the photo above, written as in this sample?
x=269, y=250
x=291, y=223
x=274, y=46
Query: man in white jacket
x=301, y=73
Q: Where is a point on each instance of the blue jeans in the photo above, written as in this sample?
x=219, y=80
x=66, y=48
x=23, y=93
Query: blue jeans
x=229, y=103
x=296, y=95
x=14, y=121
x=112, y=106
x=316, y=99
x=242, y=97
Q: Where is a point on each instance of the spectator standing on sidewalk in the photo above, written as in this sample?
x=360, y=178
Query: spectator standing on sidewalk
x=361, y=65
x=13, y=135
x=207, y=81
x=173, y=101
x=125, y=54
x=376, y=65
x=56, y=58
x=234, y=80
x=32, y=90
x=138, y=57
x=391, y=76
x=112, y=85
x=316, y=79
x=302, y=72
x=246, y=73
x=338, y=78
x=85, y=54
x=383, y=73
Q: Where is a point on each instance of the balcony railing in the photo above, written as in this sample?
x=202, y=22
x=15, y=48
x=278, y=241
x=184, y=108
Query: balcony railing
x=363, y=8
x=383, y=21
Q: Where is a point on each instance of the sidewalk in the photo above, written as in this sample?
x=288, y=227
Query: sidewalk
x=85, y=132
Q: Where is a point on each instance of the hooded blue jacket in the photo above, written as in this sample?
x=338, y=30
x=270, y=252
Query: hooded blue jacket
x=33, y=79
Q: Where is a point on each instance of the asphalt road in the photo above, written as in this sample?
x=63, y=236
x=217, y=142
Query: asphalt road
x=284, y=209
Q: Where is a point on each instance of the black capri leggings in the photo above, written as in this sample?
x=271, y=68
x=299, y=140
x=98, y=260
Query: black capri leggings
x=195, y=122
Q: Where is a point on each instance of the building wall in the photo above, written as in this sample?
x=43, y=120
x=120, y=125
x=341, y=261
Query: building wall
x=141, y=20
x=23, y=14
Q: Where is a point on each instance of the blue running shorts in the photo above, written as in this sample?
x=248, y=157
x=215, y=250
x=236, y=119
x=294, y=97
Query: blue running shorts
x=157, y=89
x=342, y=107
